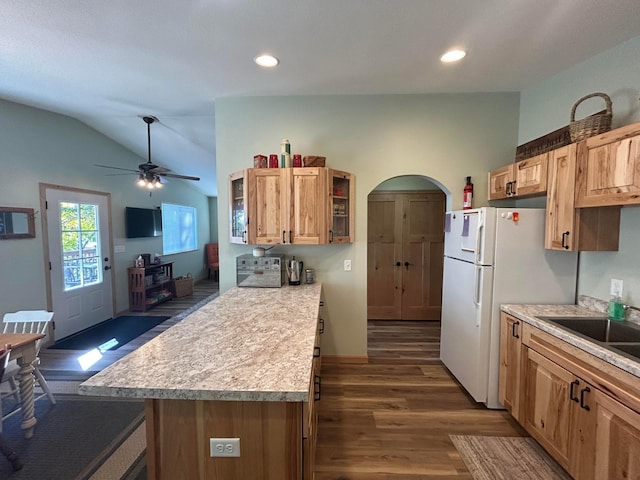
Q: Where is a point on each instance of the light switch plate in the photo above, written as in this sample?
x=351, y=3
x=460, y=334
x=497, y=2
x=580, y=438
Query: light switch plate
x=347, y=265
x=616, y=288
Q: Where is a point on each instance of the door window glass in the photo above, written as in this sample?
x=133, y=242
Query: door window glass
x=81, y=252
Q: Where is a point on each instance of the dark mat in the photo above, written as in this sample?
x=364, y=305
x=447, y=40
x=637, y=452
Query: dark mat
x=123, y=329
x=70, y=437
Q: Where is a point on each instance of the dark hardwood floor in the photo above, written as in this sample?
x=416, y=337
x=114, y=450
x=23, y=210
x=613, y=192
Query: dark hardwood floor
x=390, y=419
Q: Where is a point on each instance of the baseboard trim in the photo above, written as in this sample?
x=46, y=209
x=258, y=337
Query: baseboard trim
x=345, y=359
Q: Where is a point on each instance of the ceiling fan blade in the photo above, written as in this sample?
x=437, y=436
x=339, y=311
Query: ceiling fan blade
x=174, y=175
x=120, y=174
x=115, y=168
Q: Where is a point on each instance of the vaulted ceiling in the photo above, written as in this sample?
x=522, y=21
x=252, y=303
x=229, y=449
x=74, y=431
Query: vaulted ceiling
x=106, y=63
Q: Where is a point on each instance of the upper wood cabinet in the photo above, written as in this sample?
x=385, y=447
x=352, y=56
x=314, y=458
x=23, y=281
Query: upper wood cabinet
x=524, y=178
x=305, y=206
x=609, y=168
x=570, y=228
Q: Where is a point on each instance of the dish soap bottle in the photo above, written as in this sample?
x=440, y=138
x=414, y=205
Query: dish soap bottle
x=616, y=309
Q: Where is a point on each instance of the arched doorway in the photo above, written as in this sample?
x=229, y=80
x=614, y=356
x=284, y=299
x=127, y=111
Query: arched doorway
x=405, y=242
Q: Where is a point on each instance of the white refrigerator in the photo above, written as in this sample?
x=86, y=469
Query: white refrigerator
x=494, y=256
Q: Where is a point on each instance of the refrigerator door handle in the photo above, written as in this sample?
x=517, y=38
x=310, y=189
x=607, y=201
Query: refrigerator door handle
x=477, y=285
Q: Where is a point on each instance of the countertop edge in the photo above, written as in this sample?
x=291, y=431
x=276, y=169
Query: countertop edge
x=530, y=314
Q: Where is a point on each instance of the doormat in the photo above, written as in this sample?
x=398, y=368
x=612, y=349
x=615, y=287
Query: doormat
x=506, y=458
x=123, y=329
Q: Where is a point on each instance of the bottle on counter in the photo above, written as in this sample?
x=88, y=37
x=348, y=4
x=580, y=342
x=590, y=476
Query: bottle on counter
x=285, y=153
x=616, y=309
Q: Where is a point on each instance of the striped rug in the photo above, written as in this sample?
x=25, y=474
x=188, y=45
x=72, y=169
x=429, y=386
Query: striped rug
x=507, y=458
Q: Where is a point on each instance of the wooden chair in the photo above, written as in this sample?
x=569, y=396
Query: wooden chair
x=26, y=321
x=211, y=250
x=6, y=450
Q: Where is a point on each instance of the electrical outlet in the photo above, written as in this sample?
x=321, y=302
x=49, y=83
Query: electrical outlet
x=224, y=447
x=616, y=288
x=347, y=265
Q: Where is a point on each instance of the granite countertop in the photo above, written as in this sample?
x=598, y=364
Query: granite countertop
x=530, y=314
x=249, y=344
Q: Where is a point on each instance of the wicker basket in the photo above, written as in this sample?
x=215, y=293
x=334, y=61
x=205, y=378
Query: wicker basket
x=592, y=125
x=183, y=287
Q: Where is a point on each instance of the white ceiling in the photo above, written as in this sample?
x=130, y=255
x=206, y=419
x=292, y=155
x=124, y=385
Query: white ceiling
x=108, y=62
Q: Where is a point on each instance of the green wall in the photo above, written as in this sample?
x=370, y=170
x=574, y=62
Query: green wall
x=442, y=137
x=40, y=146
x=547, y=106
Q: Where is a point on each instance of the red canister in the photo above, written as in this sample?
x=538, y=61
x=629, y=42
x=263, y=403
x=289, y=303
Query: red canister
x=297, y=160
x=273, y=161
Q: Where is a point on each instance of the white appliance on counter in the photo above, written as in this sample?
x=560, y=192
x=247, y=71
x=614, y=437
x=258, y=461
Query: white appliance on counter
x=490, y=258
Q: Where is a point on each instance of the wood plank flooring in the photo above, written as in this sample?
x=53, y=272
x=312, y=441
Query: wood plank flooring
x=390, y=419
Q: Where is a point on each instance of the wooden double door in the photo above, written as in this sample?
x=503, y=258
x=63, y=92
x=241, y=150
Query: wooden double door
x=405, y=255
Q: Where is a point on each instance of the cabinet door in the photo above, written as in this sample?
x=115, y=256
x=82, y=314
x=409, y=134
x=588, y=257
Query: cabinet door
x=307, y=222
x=510, y=352
x=341, y=206
x=238, y=207
x=547, y=407
x=560, y=228
x=609, y=168
x=501, y=182
x=531, y=175
x=617, y=438
x=269, y=194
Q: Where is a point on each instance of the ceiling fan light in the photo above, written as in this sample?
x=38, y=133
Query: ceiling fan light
x=268, y=61
x=141, y=181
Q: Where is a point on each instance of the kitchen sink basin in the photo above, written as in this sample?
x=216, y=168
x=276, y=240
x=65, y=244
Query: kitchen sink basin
x=632, y=349
x=599, y=329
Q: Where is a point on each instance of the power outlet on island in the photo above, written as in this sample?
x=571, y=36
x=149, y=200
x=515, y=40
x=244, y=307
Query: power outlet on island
x=224, y=447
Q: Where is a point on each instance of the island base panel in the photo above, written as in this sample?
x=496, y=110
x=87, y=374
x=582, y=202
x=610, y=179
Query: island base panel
x=178, y=433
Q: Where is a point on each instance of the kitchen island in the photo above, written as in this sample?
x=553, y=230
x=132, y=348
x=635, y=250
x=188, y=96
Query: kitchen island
x=241, y=366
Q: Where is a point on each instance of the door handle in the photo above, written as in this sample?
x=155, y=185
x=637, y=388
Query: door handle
x=565, y=234
x=513, y=329
x=582, y=392
x=575, y=383
x=108, y=267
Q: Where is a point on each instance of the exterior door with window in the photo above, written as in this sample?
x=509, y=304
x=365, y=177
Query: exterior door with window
x=79, y=259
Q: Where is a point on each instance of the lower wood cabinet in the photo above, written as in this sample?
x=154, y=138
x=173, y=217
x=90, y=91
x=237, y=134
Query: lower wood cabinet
x=582, y=410
x=510, y=352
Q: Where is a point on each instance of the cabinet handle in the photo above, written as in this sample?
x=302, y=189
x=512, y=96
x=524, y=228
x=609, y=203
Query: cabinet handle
x=507, y=190
x=316, y=352
x=244, y=236
x=284, y=240
x=330, y=236
x=575, y=383
x=316, y=387
x=513, y=329
x=290, y=236
x=406, y=264
x=398, y=264
x=513, y=187
x=565, y=234
x=582, y=392
x=107, y=267
x=321, y=326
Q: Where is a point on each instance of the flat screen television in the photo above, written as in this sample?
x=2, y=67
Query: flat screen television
x=143, y=222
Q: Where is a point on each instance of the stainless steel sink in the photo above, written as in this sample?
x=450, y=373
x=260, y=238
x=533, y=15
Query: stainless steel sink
x=599, y=329
x=632, y=349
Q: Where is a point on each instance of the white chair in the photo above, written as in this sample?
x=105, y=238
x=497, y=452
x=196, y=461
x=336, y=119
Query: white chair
x=26, y=321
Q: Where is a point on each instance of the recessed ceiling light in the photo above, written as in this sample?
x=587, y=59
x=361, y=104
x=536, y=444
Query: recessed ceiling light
x=453, y=56
x=266, y=60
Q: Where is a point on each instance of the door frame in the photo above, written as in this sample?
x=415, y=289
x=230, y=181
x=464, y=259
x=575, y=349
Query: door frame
x=45, y=240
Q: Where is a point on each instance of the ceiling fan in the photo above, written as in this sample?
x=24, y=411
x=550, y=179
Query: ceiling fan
x=150, y=175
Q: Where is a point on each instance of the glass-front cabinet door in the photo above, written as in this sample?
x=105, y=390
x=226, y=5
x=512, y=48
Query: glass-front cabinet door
x=238, y=207
x=341, y=207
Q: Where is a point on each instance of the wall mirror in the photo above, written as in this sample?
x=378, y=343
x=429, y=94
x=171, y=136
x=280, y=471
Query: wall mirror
x=17, y=223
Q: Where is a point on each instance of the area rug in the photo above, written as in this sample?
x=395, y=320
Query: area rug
x=123, y=329
x=73, y=439
x=507, y=458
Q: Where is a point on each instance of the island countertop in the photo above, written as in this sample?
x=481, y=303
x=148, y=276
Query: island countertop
x=249, y=344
